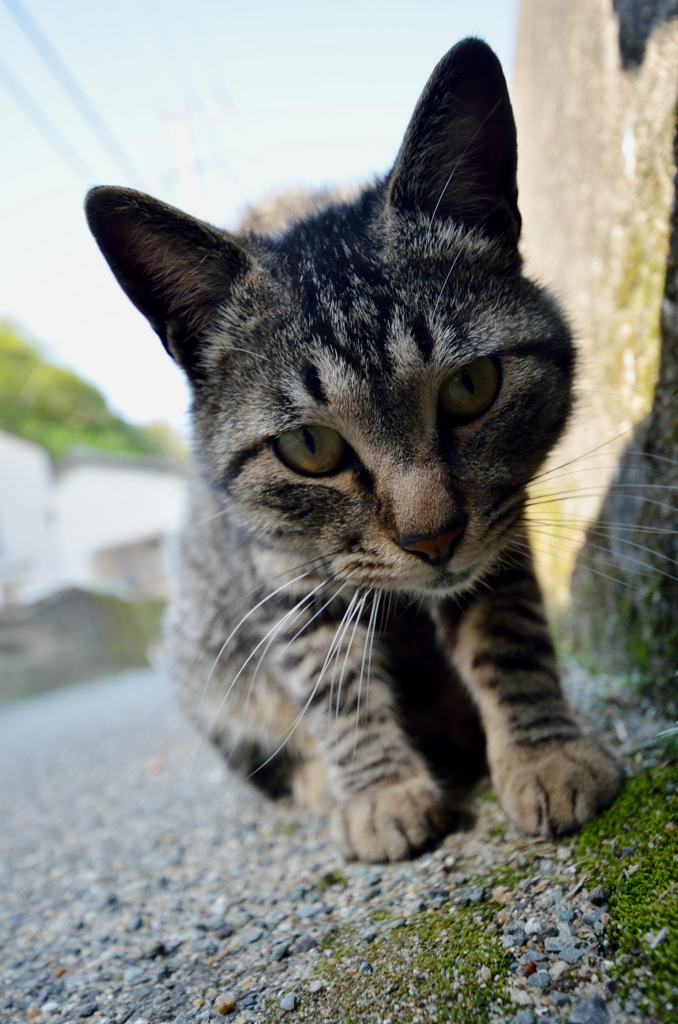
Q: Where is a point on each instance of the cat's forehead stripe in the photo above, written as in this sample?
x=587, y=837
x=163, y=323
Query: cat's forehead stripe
x=310, y=377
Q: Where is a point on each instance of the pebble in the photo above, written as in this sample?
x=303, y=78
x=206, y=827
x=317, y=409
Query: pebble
x=559, y=968
x=598, y=896
x=540, y=979
x=570, y=955
x=515, y=927
x=132, y=974
x=205, y=945
x=156, y=949
x=305, y=911
x=219, y=920
x=590, y=1010
x=225, y=1003
x=279, y=950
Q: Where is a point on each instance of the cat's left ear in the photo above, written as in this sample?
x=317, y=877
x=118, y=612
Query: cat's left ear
x=459, y=156
x=178, y=271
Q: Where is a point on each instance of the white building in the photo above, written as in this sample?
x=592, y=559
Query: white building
x=101, y=521
x=28, y=560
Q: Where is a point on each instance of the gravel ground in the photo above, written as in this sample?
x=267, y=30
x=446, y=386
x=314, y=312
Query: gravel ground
x=142, y=882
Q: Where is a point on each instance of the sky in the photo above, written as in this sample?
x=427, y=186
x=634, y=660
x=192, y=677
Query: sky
x=208, y=104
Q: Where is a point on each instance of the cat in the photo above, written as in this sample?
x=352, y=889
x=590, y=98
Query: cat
x=355, y=615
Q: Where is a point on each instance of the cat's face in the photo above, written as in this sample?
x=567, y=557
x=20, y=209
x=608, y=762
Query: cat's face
x=375, y=387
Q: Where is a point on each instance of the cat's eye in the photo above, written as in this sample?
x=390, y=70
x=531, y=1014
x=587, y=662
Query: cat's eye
x=314, y=451
x=470, y=390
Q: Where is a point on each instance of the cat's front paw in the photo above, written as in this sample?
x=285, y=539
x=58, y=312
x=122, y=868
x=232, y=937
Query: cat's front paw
x=389, y=822
x=557, y=788
x=309, y=790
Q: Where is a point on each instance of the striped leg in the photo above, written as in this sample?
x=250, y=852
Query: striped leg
x=387, y=804
x=550, y=778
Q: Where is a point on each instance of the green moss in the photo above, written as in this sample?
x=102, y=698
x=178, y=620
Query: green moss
x=644, y=899
x=289, y=826
x=428, y=968
x=332, y=878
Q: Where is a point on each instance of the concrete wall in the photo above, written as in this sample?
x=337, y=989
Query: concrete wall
x=596, y=170
x=596, y=88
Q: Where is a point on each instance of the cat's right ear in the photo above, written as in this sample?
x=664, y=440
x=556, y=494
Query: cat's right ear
x=459, y=156
x=176, y=270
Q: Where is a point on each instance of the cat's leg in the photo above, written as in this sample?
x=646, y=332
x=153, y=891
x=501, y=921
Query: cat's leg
x=550, y=777
x=386, y=803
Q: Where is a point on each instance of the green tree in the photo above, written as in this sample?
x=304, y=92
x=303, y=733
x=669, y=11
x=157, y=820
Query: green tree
x=57, y=409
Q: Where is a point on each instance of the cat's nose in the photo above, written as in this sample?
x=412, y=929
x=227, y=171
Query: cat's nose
x=438, y=549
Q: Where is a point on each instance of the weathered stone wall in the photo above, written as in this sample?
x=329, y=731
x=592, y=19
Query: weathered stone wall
x=70, y=637
x=595, y=93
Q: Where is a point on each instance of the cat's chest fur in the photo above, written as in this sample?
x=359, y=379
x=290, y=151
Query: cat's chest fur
x=354, y=611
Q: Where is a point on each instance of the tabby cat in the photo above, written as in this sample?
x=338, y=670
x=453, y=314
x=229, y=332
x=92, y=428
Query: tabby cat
x=355, y=614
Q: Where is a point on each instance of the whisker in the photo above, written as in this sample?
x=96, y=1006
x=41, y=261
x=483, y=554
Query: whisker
x=356, y=621
x=583, y=488
x=269, y=634
x=230, y=636
x=652, y=570
x=369, y=661
x=341, y=629
x=530, y=548
x=295, y=723
x=574, y=522
x=300, y=607
x=590, y=568
x=257, y=355
x=368, y=645
x=578, y=494
x=614, y=464
x=628, y=543
x=611, y=440
x=459, y=160
x=447, y=276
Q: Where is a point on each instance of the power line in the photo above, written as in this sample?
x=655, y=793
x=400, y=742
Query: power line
x=51, y=135
x=74, y=91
